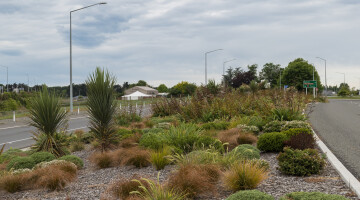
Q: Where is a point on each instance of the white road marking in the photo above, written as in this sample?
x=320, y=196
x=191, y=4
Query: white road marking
x=13, y=127
x=76, y=128
x=28, y=125
x=31, y=137
x=16, y=141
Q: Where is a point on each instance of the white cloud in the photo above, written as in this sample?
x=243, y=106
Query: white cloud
x=164, y=41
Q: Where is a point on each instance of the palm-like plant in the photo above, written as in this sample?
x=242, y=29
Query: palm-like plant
x=48, y=118
x=101, y=106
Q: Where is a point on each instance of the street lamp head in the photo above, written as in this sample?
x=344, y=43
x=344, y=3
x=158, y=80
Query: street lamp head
x=102, y=3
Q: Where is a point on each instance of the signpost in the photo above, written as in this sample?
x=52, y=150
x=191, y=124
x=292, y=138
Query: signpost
x=309, y=84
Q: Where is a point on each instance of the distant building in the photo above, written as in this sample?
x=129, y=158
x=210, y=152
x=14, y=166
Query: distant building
x=142, y=89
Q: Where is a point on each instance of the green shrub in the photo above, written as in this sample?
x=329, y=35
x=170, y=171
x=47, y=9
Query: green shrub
x=87, y=138
x=274, y=126
x=295, y=124
x=247, y=151
x=207, y=142
x=124, y=118
x=311, y=196
x=154, y=141
x=39, y=157
x=74, y=159
x=123, y=132
x=250, y=194
x=10, y=154
x=271, y=142
x=216, y=125
x=296, y=131
x=20, y=163
x=300, y=162
x=183, y=136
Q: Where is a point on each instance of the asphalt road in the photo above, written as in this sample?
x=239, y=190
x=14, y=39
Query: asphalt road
x=338, y=125
x=19, y=135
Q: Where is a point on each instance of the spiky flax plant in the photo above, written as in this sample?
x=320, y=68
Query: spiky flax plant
x=101, y=106
x=49, y=119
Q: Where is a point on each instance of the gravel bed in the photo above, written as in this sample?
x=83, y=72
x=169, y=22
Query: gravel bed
x=92, y=183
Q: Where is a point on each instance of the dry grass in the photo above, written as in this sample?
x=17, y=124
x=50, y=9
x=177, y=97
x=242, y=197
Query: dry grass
x=131, y=141
x=195, y=179
x=247, y=138
x=122, y=188
x=230, y=137
x=102, y=160
x=12, y=183
x=125, y=156
x=244, y=176
x=137, y=125
x=53, y=177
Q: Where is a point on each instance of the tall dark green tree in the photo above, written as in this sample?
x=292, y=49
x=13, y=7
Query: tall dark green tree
x=271, y=73
x=101, y=106
x=297, y=72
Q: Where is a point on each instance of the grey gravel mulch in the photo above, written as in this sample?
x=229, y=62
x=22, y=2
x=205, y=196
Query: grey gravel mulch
x=92, y=183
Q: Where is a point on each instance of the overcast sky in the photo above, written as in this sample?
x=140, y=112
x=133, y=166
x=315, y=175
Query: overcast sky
x=164, y=41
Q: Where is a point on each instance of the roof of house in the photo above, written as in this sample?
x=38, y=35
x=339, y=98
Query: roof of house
x=145, y=88
x=137, y=94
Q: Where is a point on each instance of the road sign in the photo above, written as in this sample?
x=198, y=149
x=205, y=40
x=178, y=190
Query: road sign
x=310, y=84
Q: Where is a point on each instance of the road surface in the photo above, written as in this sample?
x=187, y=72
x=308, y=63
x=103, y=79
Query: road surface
x=338, y=125
x=19, y=135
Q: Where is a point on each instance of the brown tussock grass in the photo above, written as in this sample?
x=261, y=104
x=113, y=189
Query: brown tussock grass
x=122, y=188
x=195, y=179
x=247, y=138
x=230, y=137
x=131, y=141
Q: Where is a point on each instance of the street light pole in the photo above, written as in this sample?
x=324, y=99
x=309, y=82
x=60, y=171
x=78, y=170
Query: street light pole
x=206, y=62
x=325, y=76
x=71, y=87
x=7, y=77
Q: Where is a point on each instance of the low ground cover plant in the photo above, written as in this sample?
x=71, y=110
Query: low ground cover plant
x=295, y=124
x=250, y=194
x=300, y=162
x=274, y=126
x=73, y=159
x=312, y=196
x=39, y=157
x=20, y=163
x=246, y=151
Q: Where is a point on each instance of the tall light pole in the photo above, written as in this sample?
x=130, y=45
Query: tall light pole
x=7, y=77
x=342, y=74
x=71, y=87
x=206, y=62
x=325, y=76
x=225, y=63
x=28, y=82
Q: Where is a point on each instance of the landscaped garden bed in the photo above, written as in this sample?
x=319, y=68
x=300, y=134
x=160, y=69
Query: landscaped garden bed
x=242, y=144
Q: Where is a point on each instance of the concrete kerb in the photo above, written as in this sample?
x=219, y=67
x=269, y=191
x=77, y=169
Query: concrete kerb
x=345, y=174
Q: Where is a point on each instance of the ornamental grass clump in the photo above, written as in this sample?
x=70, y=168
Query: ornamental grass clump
x=229, y=138
x=47, y=116
x=122, y=188
x=195, y=179
x=152, y=190
x=247, y=138
x=159, y=159
x=102, y=159
x=244, y=176
x=101, y=106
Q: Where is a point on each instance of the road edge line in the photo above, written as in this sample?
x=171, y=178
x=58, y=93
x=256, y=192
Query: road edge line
x=344, y=173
